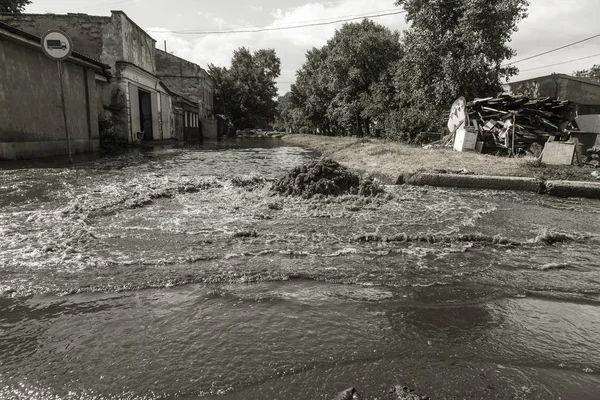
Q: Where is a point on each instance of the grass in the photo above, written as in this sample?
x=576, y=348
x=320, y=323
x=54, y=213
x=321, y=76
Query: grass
x=390, y=160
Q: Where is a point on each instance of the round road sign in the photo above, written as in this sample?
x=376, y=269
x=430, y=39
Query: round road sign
x=57, y=45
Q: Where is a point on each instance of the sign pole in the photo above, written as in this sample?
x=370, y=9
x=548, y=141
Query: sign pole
x=58, y=46
x=64, y=108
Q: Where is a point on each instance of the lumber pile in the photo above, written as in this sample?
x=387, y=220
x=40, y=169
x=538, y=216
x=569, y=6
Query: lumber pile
x=518, y=124
x=511, y=125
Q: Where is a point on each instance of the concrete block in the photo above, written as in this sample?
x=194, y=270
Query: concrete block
x=590, y=190
x=477, y=182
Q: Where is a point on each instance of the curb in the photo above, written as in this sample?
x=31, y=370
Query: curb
x=589, y=190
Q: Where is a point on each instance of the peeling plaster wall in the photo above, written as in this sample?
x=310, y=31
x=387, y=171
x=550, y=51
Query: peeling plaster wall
x=137, y=47
x=31, y=119
x=187, y=79
x=86, y=31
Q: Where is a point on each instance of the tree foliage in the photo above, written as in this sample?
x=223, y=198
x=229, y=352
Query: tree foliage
x=337, y=84
x=457, y=48
x=592, y=73
x=246, y=91
x=13, y=6
x=368, y=78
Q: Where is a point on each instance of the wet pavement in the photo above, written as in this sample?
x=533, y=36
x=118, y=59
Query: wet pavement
x=175, y=272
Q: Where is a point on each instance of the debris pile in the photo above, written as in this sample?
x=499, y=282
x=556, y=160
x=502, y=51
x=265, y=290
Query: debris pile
x=324, y=177
x=515, y=124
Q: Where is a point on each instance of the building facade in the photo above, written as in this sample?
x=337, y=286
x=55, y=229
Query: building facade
x=192, y=82
x=584, y=92
x=31, y=116
x=138, y=103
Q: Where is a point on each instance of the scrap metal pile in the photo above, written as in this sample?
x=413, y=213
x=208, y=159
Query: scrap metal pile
x=515, y=124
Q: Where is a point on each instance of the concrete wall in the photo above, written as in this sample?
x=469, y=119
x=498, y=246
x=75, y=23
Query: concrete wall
x=31, y=119
x=107, y=39
x=166, y=116
x=86, y=31
x=131, y=80
x=209, y=129
x=136, y=45
x=585, y=94
x=186, y=79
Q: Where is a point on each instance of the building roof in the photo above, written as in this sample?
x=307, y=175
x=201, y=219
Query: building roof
x=563, y=76
x=32, y=38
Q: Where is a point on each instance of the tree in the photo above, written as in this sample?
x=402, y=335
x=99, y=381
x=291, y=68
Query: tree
x=338, y=83
x=453, y=49
x=592, y=73
x=246, y=91
x=13, y=6
x=360, y=56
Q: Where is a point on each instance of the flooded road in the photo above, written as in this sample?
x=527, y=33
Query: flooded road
x=177, y=273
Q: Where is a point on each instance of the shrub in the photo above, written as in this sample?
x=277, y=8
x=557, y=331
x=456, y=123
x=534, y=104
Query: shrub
x=324, y=177
x=109, y=139
x=304, y=130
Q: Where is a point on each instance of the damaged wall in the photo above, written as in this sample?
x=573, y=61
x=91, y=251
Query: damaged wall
x=192, y=82
x=106, y=39
x=31, y=119
x=187, y=79
x=86, y=31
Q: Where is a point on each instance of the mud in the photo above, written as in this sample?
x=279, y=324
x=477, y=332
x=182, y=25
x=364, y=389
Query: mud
x=325, y=177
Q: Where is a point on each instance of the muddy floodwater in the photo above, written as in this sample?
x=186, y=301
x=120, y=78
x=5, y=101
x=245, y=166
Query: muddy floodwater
x=175, y=273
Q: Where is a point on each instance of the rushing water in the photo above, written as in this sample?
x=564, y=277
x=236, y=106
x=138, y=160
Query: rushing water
x=176, y=273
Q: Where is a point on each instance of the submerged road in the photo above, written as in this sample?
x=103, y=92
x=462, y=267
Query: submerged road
x=177, y=273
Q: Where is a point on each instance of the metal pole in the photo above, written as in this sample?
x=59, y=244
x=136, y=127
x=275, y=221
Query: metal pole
x=64, y=109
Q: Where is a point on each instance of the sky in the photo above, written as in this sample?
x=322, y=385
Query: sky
x=551, y=24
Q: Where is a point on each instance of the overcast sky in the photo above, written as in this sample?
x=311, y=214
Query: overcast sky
x=551, y=23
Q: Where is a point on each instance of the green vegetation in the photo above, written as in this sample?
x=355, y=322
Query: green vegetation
x=367, y=80
x=13, y=6
x=325, y=177
x=245, y=93
x=109, y=139
x=592, y=73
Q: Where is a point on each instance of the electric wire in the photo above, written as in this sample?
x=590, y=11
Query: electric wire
x=552, y=51
x=268, y=29
x=560, y=63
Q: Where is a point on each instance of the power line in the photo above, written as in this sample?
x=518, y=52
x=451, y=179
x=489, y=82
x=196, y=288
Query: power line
x=560, y=63
x=314, y=20
x=553, y=50
x=267, y=29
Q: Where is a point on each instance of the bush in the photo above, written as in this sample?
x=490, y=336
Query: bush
x=407, y=123
x=324, y=177
x=109, y=139
x=304, y=130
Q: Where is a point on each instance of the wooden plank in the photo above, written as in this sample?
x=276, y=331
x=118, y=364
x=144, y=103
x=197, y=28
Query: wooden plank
x=578, y=152
x=558, y=153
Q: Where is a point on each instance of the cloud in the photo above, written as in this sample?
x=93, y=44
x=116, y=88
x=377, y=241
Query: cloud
x=291, y=45
x=551, y=23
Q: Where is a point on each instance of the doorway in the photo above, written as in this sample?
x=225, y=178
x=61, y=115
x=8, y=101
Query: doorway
x=146, y=114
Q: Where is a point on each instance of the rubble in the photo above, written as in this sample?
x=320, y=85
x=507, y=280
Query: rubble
x=511, y=125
